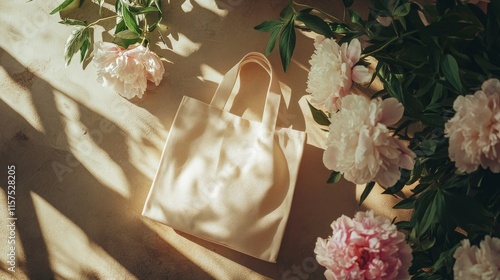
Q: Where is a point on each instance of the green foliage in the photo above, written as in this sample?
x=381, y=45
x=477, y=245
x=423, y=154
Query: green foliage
x=63, y=5
x=284, y=29
x=134, y=23
x=319, y=116
x=334, y=177
x=425, y=65
x=368, y=188
x=79, y=40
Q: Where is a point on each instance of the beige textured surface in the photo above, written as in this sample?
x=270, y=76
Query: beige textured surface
x=85, y=157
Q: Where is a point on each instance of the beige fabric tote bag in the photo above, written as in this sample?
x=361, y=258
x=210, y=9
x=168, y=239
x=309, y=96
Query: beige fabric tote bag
x=227, y=179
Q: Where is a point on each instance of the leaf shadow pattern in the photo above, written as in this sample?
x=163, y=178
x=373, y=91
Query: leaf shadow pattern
x=108, y=219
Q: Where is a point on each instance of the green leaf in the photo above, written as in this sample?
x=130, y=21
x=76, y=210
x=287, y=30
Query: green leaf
x=148, y=10
x=101, y=3
x=125, y=43
x=269, y=26
x=416, y=172
x=402, y=10
x=450, y=70
x=432, y=119
x=473, y=215
x=120, y=26
x=447, y=28
x=315, y=23
x=158, y=4
x=153, y=26
x=427, y=147
x=274, y=27
x=118, y=6
x=334, y=177
x=408, y=203
x=446, y=257
x=287, y=44
x=437, y=93
x=338, y=28
x=405, y=174
x=420, y=188
x=486, y=64
x=348, y=3
x=319, y=116
x=366, y=192
x=127, y=34
x=130, y=20
x=63, y=5
x=83, y=50
x=272, y=40
x=356, y=17
x=444, y=5
x=406, y=225
x=72, y=22
x=427, y=243
x=75, y=42
x=423, y=207
x=287, y=13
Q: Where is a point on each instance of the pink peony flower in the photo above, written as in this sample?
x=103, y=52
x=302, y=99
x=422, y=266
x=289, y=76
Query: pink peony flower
x=366, y=247
x=127, y=71
x=333, y=70
x=479, y=263
x=474, y=130
x=359, y=144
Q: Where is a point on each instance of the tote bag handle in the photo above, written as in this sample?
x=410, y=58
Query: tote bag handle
x=225, y=90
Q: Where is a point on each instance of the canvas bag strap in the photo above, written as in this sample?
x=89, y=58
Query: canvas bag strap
x=225, y=90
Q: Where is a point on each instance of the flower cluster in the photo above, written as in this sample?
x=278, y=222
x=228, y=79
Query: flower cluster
x=126, y=65
x=365, y=247
x=360, y=145
x=333, y=69
x=477, y=263
x=127, y=71
x=433, y=124
x=474, y=131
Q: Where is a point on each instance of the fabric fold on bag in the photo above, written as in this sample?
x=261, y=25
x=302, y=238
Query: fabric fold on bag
x=227, y=179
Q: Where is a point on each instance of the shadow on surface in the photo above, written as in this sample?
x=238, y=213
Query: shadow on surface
x=110, y=220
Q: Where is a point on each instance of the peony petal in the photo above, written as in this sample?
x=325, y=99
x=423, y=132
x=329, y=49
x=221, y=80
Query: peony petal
x=127, y=71
x=354, y=51
x=364, y=148
x=361, y=74
x=352, y=249
x=387, y=178
x=392, y=111
x=473, y=131
x=319, y=39
x=384, y=21
x=330, y=158
x=491, y=86
x=406, y=162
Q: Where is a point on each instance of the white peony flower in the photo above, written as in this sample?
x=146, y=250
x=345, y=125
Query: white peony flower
x=479, y=263
x=333, y=70
x=359, y=144
x=127, y=71
x=474, y=131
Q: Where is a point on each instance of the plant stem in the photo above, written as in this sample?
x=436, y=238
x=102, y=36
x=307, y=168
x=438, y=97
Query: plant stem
x=102, y=19
x=319, y=10
x=146, y=29
x=388, y=43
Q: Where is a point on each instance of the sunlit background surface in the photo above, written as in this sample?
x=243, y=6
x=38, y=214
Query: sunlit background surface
x=85, y=157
